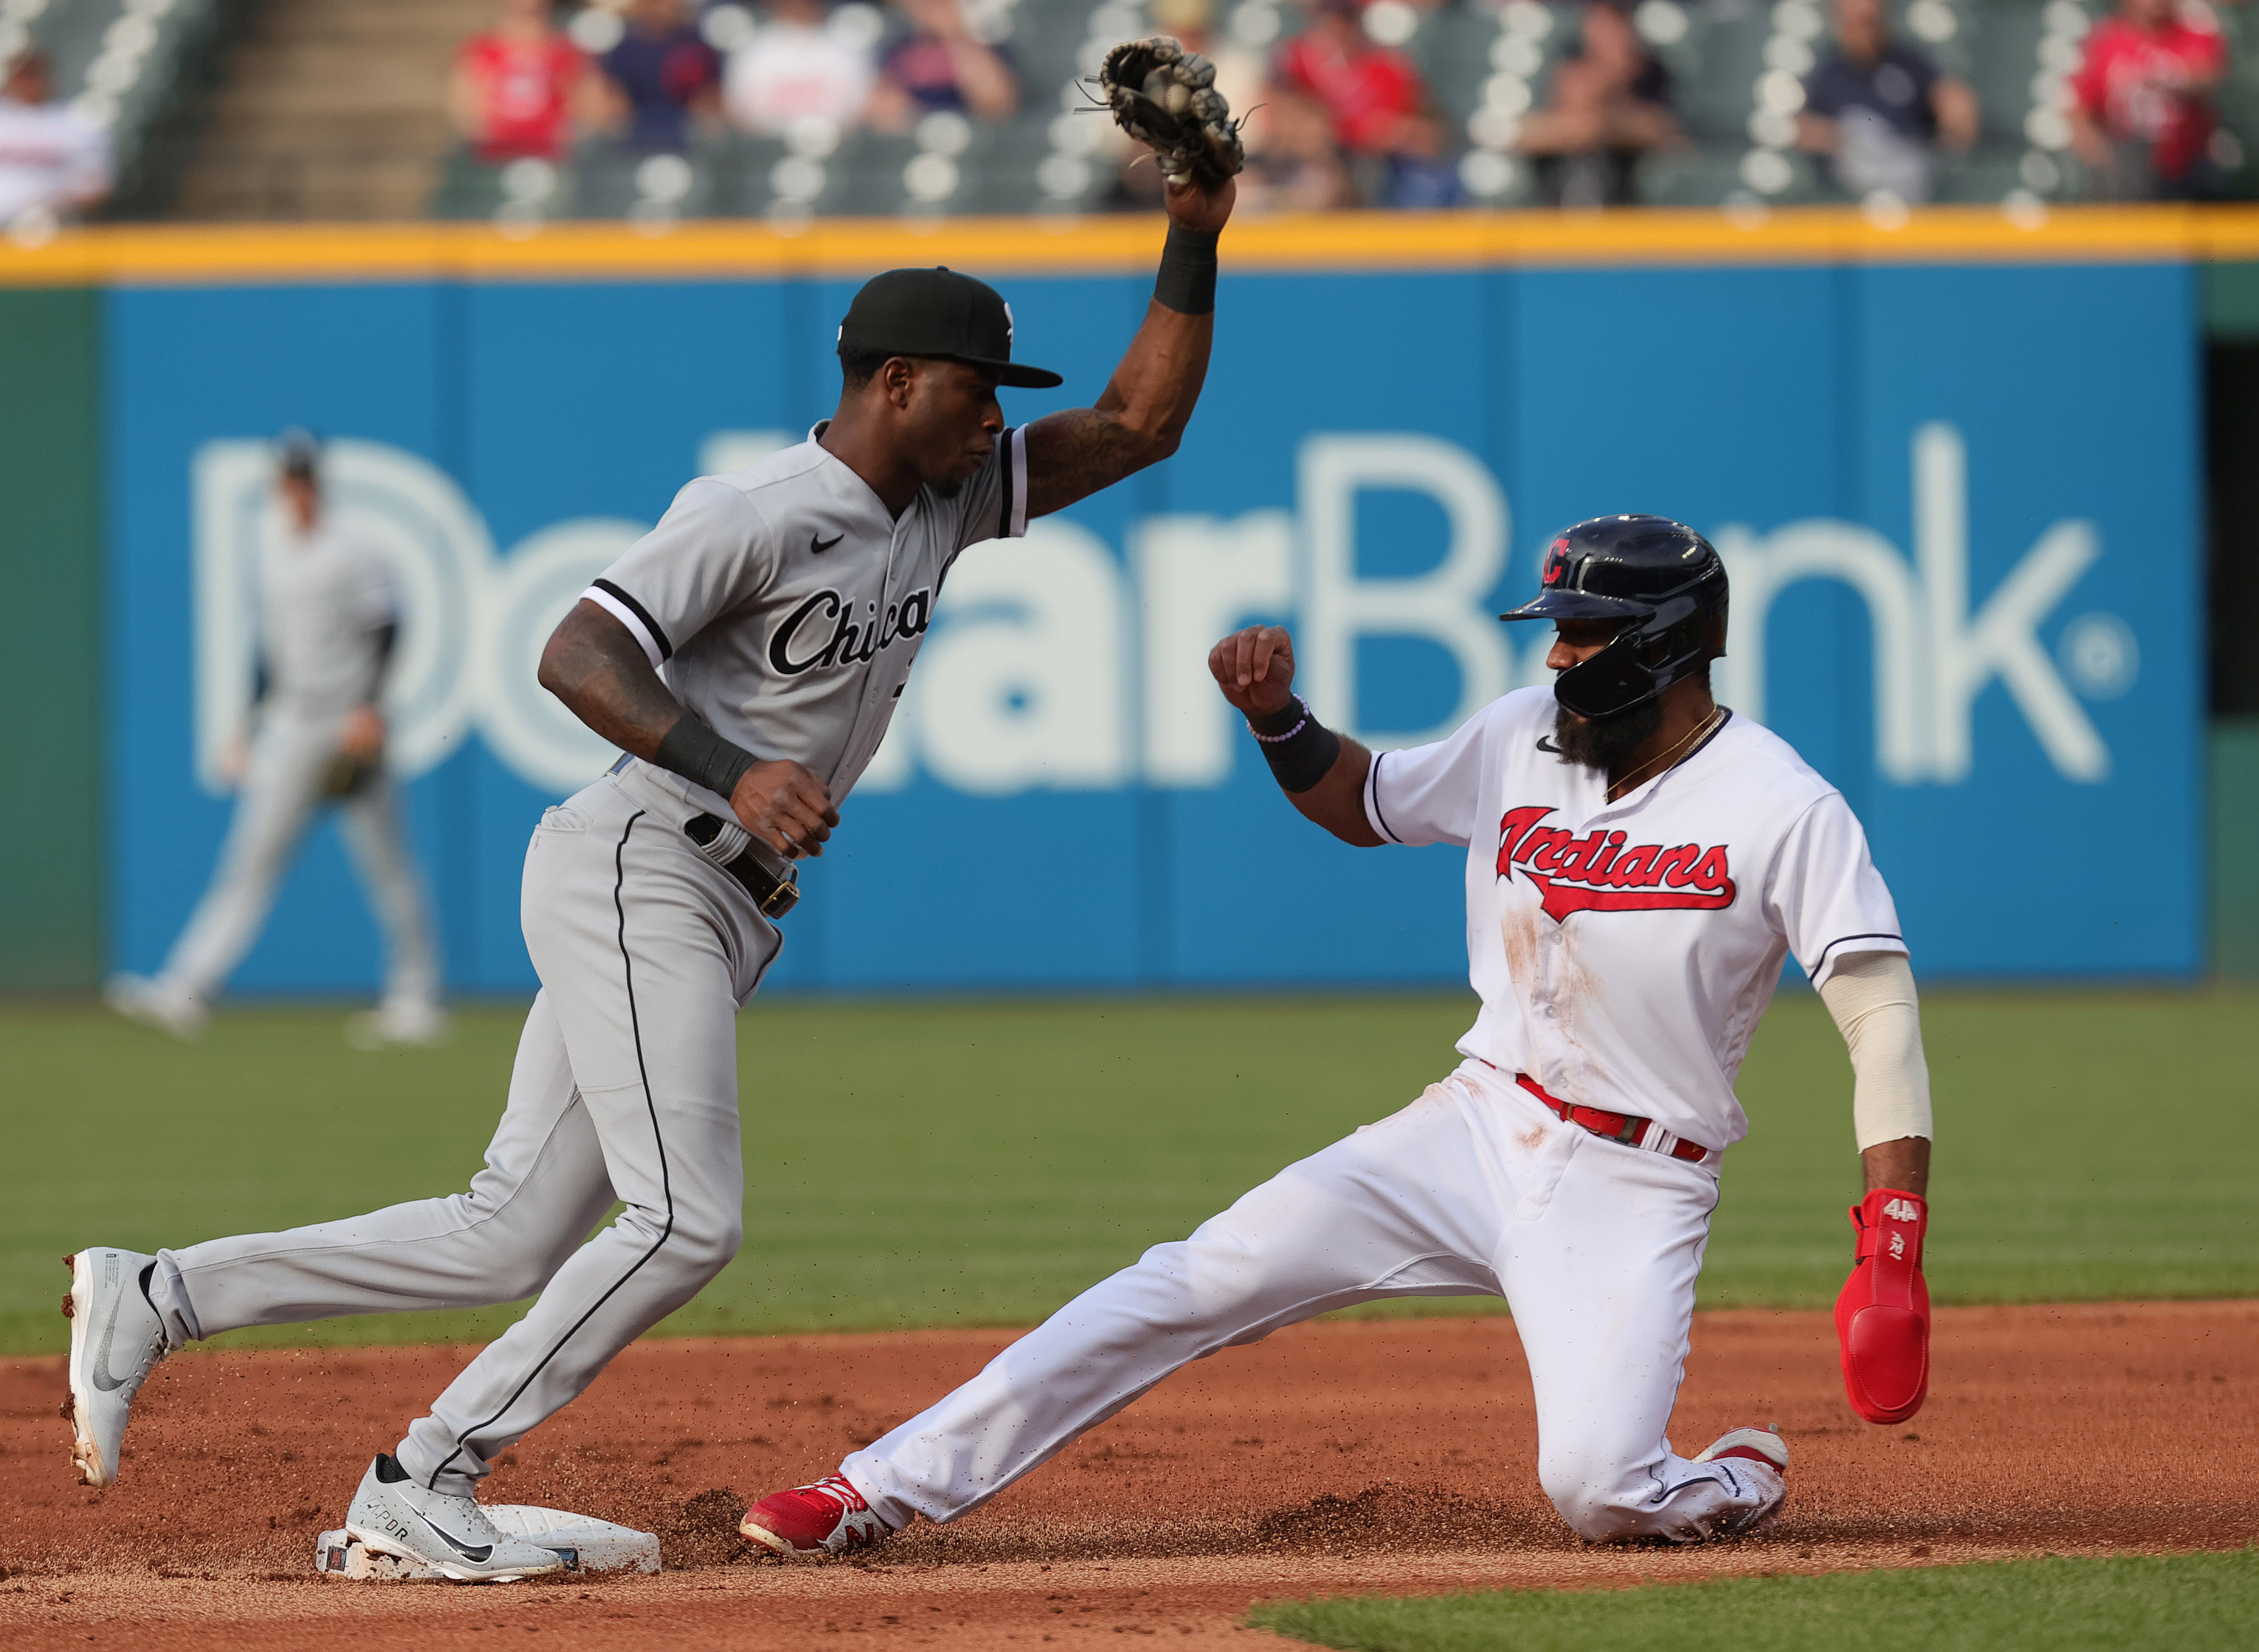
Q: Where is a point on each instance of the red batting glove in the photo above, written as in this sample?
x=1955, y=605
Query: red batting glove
x=1882, y=1318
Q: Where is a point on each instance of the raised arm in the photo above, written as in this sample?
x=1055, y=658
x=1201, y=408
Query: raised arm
x=601, y=672
x=1142, y=414
x=1322, y=773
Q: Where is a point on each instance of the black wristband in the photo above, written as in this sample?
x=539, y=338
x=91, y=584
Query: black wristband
x=1299, y=748
x=1187, y=283
x=703, y=756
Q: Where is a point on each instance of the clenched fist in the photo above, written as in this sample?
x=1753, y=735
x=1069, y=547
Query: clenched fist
x=786, y=807
x=1255, y=668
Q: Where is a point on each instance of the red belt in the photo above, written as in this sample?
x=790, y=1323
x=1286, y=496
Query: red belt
x=1616, y=1126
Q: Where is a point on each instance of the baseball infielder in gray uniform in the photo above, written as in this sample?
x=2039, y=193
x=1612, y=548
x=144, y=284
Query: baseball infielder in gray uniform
x=327, y=626
x=747, y=654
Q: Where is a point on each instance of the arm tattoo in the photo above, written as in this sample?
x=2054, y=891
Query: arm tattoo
x=1074, y=453
x=601, y=675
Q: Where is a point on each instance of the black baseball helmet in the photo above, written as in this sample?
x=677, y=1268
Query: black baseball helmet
x=1660, y=579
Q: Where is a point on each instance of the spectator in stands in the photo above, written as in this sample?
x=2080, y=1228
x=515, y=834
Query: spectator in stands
x=795, y=67
x=1422, y=174
x=519, y=87
x=1240, y=73
x=53, y=161
x=1368, y=91
x=938, y=65
x=2143, y=118
x=1877, y=108
x=1610, y=104
x=1299, y=167
x=1239, y=76
x=659, y=75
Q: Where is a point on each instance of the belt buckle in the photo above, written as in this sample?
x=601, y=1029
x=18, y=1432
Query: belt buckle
x=784, y=897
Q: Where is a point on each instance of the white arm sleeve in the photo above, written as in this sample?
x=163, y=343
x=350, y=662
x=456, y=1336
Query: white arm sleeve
x=1872, y=996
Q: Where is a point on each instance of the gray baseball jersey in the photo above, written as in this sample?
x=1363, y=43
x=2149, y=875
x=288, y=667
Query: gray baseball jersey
x=323, y=596
x=782, y=605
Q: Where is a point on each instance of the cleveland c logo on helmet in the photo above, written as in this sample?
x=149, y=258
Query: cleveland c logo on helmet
x=1659, y=581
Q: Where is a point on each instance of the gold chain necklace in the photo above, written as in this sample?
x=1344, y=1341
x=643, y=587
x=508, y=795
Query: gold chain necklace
x=1618, y=788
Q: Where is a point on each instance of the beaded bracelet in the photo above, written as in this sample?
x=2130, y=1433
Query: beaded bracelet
x=1280, y=740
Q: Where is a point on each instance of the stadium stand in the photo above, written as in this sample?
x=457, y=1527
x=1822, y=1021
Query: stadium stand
x=334, y=109
x=125, y=63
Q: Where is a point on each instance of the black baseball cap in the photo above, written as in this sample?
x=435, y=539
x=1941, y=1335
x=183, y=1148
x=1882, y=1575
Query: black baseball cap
x=938, y=312
x=298, y=450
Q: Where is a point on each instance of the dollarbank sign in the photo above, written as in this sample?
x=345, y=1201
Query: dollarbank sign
x=1056, y=665
x=1959, y=514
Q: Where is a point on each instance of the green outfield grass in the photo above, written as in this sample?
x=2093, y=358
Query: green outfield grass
x=975, y=1164
x=2189, y=1603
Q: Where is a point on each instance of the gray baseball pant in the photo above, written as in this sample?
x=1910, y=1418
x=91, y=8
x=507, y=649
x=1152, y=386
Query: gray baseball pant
x=277, y=804
x=625, y=1087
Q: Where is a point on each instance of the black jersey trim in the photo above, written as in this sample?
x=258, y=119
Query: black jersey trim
x=1820, y=962
x=1372, y=790
x=1004, y=465
x=659, y=1138
x=658, y=632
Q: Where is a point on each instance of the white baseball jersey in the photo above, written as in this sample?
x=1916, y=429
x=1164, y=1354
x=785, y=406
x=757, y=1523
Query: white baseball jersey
x=1624, y=952
x=50, y=155
x=324, y=596
x=783, y=606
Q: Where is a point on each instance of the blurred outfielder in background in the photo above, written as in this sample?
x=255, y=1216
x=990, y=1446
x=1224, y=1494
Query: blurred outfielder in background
x=327, y=626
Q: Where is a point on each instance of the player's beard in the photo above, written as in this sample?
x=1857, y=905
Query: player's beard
x=1606, y=744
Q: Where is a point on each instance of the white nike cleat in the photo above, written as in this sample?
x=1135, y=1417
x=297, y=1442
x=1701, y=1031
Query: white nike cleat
x=398, y=1024
x=165, y=1005
x=1759, y=1445
x=393, y=1515
x=116, y=1341
x=1760, y=1456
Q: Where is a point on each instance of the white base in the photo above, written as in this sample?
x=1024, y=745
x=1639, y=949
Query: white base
x=588, y=1546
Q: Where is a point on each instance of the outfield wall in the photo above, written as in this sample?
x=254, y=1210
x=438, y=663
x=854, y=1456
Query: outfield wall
x=1955, y=473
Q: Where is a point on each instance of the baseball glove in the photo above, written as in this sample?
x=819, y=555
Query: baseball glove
x=1882, y=1318
x=1166, y=97
x=347, y=773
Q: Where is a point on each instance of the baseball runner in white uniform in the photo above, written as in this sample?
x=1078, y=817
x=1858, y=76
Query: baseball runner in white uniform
x=327, y=628
x=1638, y=863
x=747, y=654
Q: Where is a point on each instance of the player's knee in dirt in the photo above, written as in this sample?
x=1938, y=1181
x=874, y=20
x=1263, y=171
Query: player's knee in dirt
x=1587, y=1488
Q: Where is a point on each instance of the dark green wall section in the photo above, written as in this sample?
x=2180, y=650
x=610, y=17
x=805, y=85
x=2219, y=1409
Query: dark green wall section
x=2231, y=303
x=51, y=657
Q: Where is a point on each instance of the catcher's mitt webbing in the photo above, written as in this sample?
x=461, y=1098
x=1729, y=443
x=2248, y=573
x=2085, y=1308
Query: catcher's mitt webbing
x=1166, y=97
x=1882, y=1318
x=1187, y=283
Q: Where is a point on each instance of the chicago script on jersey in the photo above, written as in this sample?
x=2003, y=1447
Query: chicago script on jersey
x=851, y=644
x=1597, y=873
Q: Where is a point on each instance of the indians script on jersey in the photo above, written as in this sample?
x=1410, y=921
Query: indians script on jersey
x=1597, y=873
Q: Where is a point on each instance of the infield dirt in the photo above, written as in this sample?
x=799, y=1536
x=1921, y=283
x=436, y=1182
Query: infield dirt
x=1381, y=1456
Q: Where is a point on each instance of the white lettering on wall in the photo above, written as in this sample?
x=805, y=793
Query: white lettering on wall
x=1932, y=659
x=1021, y=685
x=1055, y=666
x=1447, y=605
x=1198, y=579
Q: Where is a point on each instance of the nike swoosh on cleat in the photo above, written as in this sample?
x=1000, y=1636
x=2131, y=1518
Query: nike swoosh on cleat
x=817, y=547
x=477, y=1556
x=100, y=1375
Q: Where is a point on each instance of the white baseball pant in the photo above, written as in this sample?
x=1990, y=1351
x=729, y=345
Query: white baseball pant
x=625, y=1087
x=280, y=793
x=1475, y=1189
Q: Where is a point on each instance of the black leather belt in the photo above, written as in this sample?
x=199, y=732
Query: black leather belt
x=775, y=896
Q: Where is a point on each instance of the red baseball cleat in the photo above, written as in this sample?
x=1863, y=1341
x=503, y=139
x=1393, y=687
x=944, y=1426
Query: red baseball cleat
x=827, y=1518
